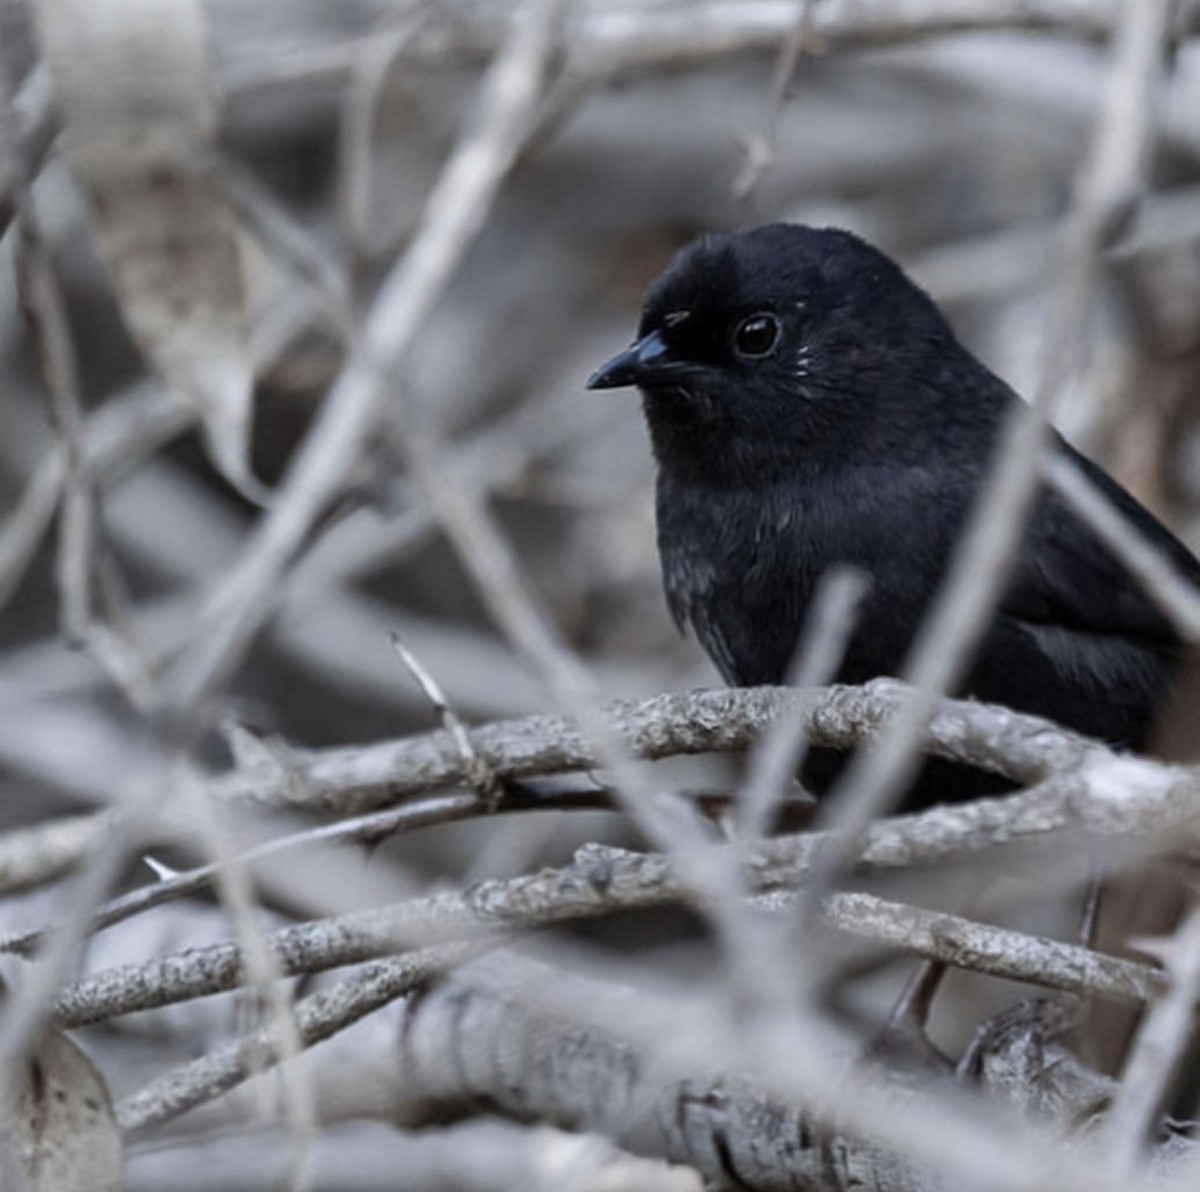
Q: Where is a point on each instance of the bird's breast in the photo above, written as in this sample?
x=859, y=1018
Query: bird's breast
x=741, y=565
x=740, y=568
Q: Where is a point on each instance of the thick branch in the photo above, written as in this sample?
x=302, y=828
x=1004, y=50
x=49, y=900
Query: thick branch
x=465, y=1049
x=348, y=781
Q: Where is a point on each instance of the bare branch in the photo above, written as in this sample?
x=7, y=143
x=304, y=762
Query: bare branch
x=651, y=1087
x=1157, y=1050
x=317, y=1017
x=455, y=212
x=1107, y=189
x=1178, y=597
x=603, y=881
x=342, y=781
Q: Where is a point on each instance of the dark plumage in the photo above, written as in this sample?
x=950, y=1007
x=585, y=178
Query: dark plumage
x=809, y=405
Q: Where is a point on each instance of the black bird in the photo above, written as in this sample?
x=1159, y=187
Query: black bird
x=809, y=405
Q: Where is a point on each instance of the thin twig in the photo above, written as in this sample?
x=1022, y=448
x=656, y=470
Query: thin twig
x=349, y=781
x=601, y=882
x=127, y=428
x=78, y=544
x=1157, y=1049
x=35, y=124
x=778, y=753
x=759, y=147
x=446, y=808
x=482, y=777
x=318, y=1016
x=369, y=78
x=632, y=38
x=262, y=973
x=298, y=250
x=454, y=214
x=42, y=852
x=1160, y=577
x=664, y=818
x=1108, y=187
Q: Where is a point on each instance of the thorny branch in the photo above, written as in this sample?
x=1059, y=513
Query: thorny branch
x=360, y=779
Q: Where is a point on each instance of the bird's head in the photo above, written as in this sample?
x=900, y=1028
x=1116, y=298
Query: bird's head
x=758, y=341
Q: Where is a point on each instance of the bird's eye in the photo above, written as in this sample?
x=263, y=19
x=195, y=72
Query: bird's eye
x=756, y=335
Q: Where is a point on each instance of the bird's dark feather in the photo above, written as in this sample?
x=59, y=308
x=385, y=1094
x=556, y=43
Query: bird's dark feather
x=864, y=438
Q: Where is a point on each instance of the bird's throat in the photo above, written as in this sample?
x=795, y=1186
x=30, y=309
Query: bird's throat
x=696, y=442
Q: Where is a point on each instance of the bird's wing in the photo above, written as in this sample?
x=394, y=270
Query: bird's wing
x=712, y=638
x=1066, y=579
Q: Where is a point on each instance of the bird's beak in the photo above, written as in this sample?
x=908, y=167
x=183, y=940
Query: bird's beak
x=647, y=362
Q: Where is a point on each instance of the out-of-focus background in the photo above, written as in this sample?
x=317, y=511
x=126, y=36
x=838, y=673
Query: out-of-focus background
x=950, y=139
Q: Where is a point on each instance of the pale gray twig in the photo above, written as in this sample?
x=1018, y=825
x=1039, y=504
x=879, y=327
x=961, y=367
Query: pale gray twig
x=317, y=1017
x=28, y=866
x=345, y=781
x=78, y=548
x=369, y=77
x=1156, y=1052
x=759, y=147
x=34, y=855
x=1009, y=258
x=1159, y=577
x=480, y=775
x=977, y=947
x=657, y=1069
x=298, y=250
x=778, y=753
x=603, y=881
x=262, y=973
x=1108, y=187
x=454, y=213
x=633, y=38
x=34, y=126
x=127, y=428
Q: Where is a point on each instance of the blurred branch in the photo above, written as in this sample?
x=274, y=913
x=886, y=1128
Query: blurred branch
x=1106, y=193
x=34, y=125
x=321, y=1015
x=35, y=855
x=126, y=430
x=1158, y=1048
x=1159, y=576
x=317, y=1017
x=611, y=38
x=80, y=556
x=454, y=214
x=1010, y=258
x=740, y=1133
x=665, y=819
x=778, y=752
